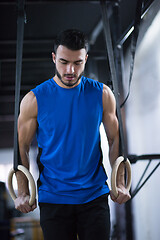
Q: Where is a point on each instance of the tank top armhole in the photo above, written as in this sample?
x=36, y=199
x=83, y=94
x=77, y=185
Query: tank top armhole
x=102, y=101
x=33, y=90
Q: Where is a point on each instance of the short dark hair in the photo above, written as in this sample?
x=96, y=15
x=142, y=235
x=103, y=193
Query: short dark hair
x=73, y=39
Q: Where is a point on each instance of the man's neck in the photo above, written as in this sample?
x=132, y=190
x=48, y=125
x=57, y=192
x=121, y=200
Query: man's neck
x=61, y=84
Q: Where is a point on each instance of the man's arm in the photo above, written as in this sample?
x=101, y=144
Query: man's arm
x=111, y=126
x=27, y=125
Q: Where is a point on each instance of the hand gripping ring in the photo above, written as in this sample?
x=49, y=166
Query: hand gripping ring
x=116, y=165
x=31, y=182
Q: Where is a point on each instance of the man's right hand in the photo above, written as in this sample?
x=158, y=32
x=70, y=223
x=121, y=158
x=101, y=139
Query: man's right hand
x=22, y=204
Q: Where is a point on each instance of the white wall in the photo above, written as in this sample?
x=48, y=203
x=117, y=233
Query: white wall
x=143, y=131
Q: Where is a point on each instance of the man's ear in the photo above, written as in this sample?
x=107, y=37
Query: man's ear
x=86, y=58
x=54, y=57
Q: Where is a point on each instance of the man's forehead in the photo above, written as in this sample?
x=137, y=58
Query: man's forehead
x=63, y=52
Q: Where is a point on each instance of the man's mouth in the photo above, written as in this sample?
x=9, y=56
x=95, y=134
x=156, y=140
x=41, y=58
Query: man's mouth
x=69, y=77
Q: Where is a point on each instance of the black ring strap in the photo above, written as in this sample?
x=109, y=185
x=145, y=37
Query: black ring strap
x=19, y=52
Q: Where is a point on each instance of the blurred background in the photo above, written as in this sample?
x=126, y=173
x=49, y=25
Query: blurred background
x=139, y=218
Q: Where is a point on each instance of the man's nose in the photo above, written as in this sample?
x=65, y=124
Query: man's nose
x=70, y=68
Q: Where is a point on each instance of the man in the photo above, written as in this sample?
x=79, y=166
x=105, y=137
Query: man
x=66, y=112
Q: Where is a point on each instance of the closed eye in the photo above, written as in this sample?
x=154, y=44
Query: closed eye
x=63, y=61
x=78, y=62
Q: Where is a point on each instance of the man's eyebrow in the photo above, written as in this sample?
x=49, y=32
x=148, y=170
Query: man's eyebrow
x=62, y=59
x=77, y=61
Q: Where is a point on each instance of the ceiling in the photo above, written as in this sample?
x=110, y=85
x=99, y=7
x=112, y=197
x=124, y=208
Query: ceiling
x=44, y=20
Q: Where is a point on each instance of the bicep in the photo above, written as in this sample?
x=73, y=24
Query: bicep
x=26, y=130
x=27, y=120
x=110, y=123
x=110, y=120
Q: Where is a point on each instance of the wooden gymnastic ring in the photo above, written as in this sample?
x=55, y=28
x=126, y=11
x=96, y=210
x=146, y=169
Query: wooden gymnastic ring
x=116, y=165
x=31, y=182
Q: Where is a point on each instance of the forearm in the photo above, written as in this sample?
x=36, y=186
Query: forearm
x=22, y=181
x=22, y=202
x=111, y=126
x=113, y=149
x=113, y=155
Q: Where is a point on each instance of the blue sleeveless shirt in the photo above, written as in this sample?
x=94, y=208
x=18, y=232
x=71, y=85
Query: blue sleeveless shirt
x=70, y=157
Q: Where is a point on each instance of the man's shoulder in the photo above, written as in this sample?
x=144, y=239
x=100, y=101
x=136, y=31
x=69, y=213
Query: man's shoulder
x=29, y=98
x=108, y=98
x=29, y=104
x=107, y=92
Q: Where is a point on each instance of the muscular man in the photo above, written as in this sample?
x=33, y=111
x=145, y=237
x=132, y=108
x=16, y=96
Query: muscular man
x=66, y=112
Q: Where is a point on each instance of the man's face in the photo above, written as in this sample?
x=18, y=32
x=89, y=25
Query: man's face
x=69, y=66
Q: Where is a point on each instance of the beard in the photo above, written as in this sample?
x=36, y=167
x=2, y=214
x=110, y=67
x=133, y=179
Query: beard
x=69, y=83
